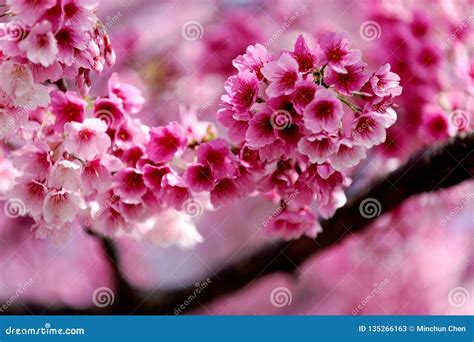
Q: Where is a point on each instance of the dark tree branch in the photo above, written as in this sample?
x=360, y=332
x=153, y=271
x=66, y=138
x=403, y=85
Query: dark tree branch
x=125, y=296
x=61, y=84
x=438, y=167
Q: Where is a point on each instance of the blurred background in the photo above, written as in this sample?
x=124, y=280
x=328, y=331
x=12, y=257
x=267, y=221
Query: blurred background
x=418, y=259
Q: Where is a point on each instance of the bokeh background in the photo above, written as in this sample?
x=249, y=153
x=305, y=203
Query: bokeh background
x=418, y=259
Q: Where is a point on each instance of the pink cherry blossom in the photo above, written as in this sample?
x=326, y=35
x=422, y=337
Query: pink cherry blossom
x=131, y=98
x=336, y=53
x=290, y=225
x=224, y=193
x=130, y=185
x=351, y=80
x=110, y=111
x=77, y=12
x=61, y=206
x=16, y=79
x=68, y=39
x=436, y=125
x=283, y=73
x=261, y=130
x=253, y=60
x=385, y=83
x=30, y=11
x=324, y=112
x=368, y=130
x=40, y=44
x=34, y=161
x=165, y=142
x=32, y=193
x=318, y=147
x=199, y=177
x=96, y=176
x=66, y=174
x=304, y=56
x=303, y=95
x=217, y=155
x=348, y=154
x=241, y=91
x=67, y=107
x=86, y=140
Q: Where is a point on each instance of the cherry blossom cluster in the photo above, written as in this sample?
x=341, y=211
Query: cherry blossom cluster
x=433, y=53
x=308, y=115
x=93, y=165
x=297, y=122
x=44, y=42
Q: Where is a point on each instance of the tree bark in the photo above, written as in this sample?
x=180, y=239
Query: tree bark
x=438, y=167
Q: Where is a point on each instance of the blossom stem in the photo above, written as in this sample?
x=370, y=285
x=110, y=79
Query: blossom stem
x=348, y=103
